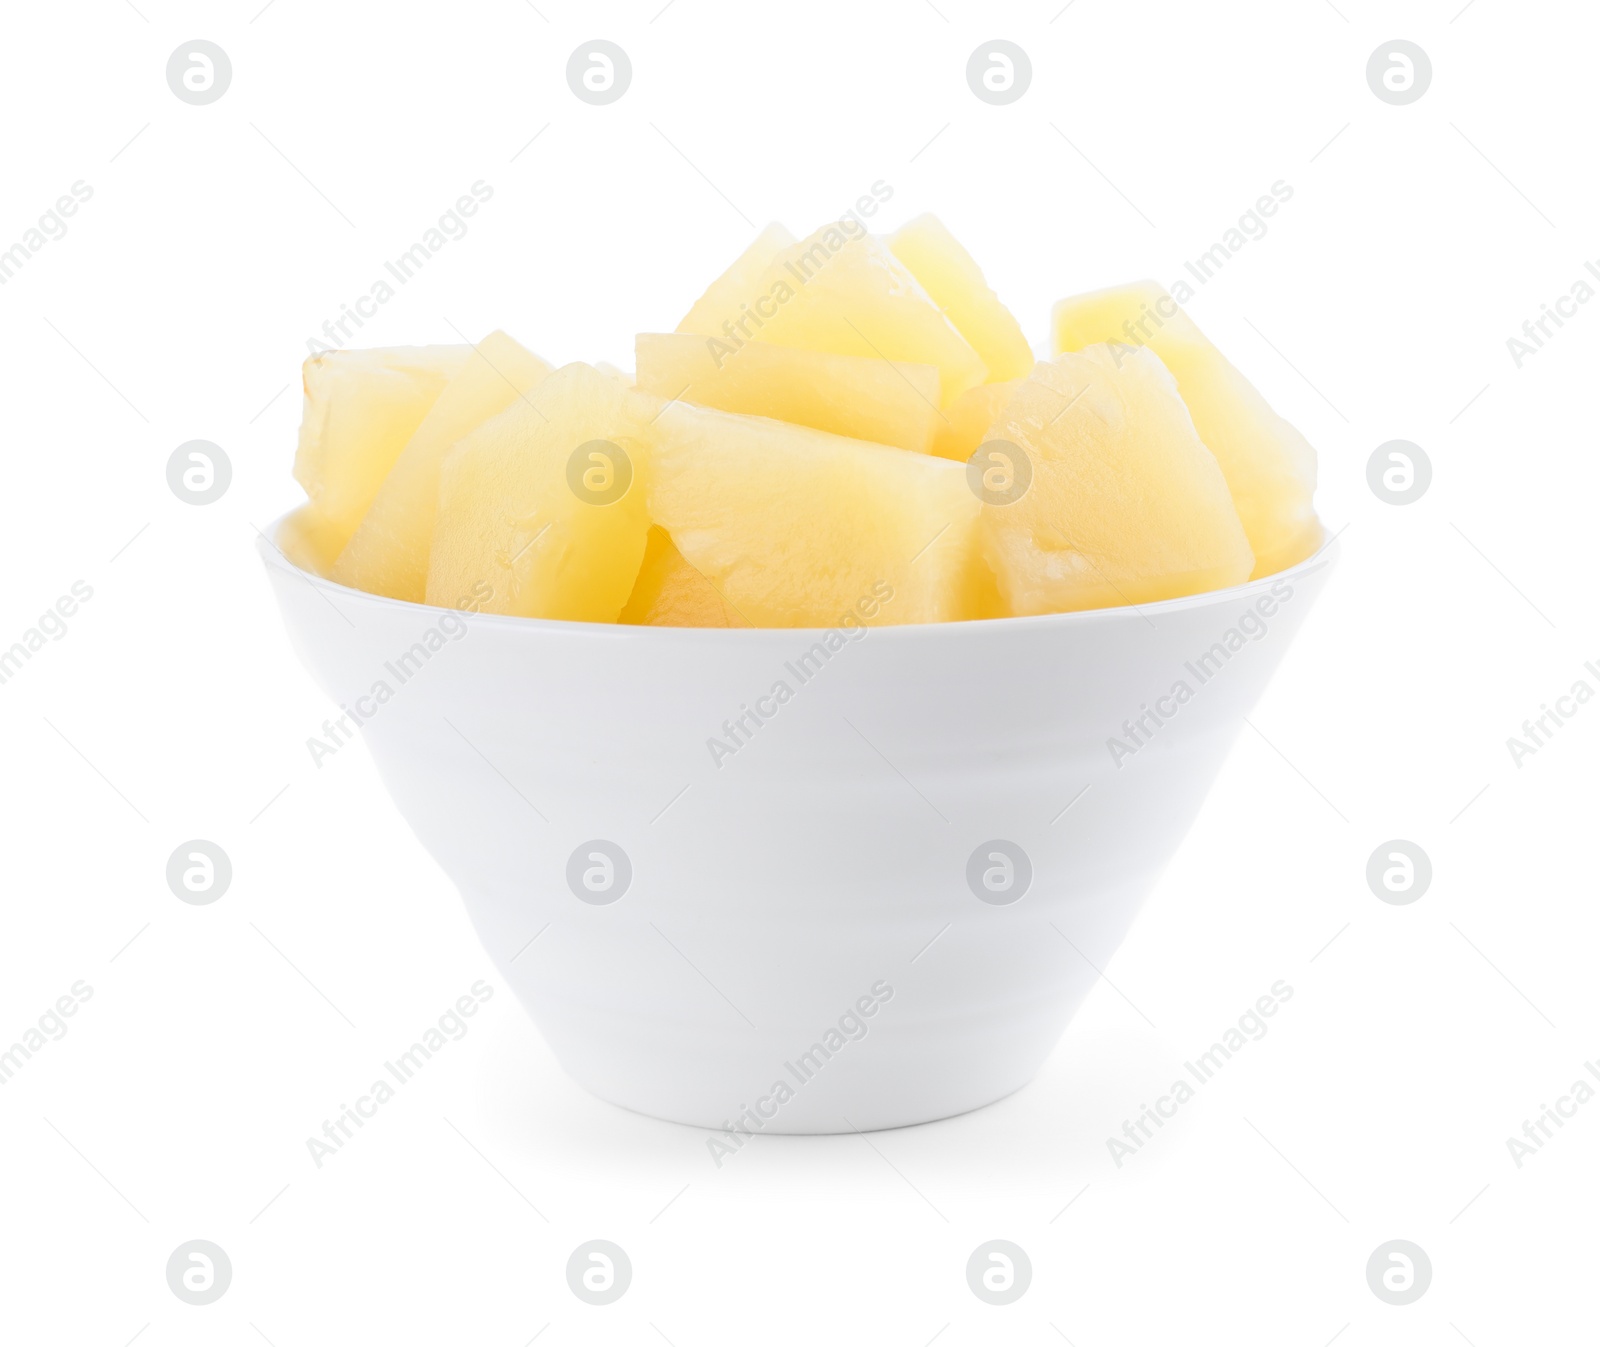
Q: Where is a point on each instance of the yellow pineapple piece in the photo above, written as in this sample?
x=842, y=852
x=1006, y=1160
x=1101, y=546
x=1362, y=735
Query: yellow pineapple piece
x=955, y=283
x=671, y=593
x=1270, y=467
x=360, y=409
x=840, y=290
x=965, y=421
x=542, y=508
x=984, y=598
x=866, y=399
x=728, y=297
x=1116, y=500
x=307, y=539
x=388, y=553
x=799, y=528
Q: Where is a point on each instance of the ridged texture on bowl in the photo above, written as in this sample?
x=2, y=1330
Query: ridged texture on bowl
x=785, y=870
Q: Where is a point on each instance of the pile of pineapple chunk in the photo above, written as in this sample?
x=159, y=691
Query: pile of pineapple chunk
x=846, y=429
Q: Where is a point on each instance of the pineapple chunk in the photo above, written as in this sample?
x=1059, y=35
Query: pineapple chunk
x=865, y=399
x=964, y=424
x=539, y=515
x=671, y=593
x=1125, y=504
x=306, y=539
x=841, y=292
x=955, y=283
x=727, y=297
x=360, y=409
x=800, y=528
x=388, y=554
x=1270, y=467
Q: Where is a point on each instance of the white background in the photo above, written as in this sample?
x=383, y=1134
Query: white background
x=177, y=1106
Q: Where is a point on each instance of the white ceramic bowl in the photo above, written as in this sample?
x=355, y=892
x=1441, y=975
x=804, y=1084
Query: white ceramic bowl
x=830, y=923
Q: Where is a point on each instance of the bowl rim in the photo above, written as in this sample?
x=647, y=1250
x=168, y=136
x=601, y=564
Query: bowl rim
x=1325, y=556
